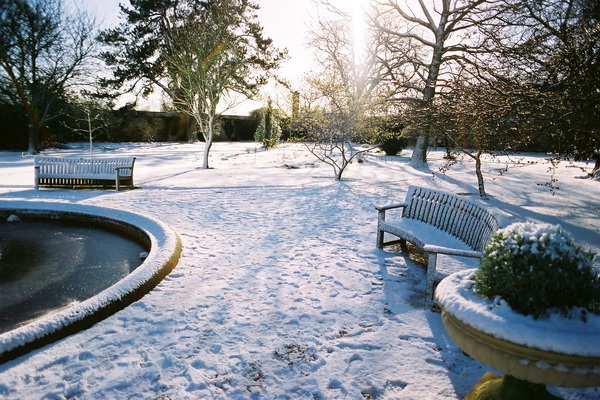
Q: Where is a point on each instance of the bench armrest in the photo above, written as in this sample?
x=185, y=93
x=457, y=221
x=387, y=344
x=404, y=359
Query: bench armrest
x=391, y=206
x=429, y=248
x=119, y=169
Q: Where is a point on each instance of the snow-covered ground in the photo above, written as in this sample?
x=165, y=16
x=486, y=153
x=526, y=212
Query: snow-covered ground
x=280, y=292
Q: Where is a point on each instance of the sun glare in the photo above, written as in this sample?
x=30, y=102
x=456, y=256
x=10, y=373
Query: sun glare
x=356, y=10
x=359, y=28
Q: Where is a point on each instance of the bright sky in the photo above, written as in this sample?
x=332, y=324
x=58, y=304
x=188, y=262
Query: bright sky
x=287, y=22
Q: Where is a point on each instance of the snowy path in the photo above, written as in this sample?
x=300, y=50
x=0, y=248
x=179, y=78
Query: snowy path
x=279, y=294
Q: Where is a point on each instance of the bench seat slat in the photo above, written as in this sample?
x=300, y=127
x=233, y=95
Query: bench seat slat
x=430, y=248
x=421, y=234
x=80, y=176
x=449, y=264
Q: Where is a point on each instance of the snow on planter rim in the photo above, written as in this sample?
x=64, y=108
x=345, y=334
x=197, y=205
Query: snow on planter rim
x=165, y=249
x=555, y=333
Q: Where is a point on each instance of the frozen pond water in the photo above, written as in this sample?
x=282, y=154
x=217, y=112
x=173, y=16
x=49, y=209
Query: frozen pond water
x=48, y=265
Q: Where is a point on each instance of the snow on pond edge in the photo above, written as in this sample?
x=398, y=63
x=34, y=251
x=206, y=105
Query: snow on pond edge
x=165, y=248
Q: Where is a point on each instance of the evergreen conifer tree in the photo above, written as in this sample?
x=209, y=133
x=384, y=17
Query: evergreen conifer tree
x=268, y=131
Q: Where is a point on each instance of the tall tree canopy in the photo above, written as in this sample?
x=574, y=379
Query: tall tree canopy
x=531, y=66
x=420, y=50
x=197, y=52
x=139, y=45
x=546, y=60
x=44, y=50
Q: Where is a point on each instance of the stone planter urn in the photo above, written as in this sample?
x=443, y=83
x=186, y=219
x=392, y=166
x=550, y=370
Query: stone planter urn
x=554, y=351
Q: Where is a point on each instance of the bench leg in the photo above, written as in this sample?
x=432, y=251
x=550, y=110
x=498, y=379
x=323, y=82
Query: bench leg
x=403, y=246
x=36, y=177
x=380, y=220
x=379, y=239
x=431, y=275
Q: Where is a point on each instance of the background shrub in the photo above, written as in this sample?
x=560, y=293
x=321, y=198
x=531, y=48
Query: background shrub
x=268, y=131
x=391, y=146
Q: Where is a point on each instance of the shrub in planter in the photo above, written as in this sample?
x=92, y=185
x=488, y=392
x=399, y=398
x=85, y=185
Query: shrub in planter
x=537, y=269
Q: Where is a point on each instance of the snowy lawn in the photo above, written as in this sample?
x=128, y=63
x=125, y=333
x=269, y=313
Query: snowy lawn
x=280, y=292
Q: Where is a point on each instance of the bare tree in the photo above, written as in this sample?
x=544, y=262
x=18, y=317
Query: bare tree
x=474, y=119
x=88, y=116
x=44, y=50
x=532, y=84
x=422, y=45
x=344, y=95
x=331, y=137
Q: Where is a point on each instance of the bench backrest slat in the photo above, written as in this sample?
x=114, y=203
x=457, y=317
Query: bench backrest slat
x=482, y=235
x=472, y=226
x=468, y=221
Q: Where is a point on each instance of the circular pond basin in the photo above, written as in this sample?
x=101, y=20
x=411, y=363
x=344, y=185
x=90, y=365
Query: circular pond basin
x=65, y=267
x=45, y=266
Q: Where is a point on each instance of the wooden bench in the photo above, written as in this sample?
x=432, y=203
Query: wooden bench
x=450, y=229
x=62, y=171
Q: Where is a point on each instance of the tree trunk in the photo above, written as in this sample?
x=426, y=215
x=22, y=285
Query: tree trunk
x=89, y=121
x=33, y=125
x=208, y=139
x=596, y=158
x=207, y=146
x=480, y=180
x=33, y=134
x=419, y=155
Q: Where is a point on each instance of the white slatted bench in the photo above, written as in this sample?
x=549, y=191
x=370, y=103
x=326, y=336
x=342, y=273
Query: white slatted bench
x=452, y=230
x=63, y=171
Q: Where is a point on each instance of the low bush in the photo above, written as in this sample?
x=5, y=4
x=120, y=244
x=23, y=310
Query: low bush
x=391, y=146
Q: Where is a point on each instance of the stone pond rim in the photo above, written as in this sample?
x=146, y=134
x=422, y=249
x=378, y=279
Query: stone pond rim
x=165, y=249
